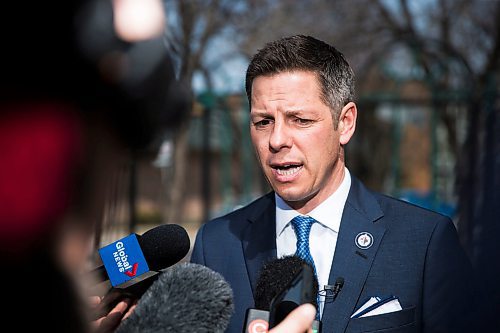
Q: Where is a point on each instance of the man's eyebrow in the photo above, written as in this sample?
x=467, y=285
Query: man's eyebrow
x=288, y=112
x=261, y=113
x=299, y=112
x=293, y=112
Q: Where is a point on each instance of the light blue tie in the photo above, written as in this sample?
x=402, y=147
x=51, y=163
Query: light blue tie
x=302, y=226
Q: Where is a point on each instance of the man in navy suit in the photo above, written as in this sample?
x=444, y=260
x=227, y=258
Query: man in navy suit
x=404, y=261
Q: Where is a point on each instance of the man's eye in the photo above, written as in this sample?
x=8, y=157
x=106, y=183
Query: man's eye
x=262, y=123
x=302, y=121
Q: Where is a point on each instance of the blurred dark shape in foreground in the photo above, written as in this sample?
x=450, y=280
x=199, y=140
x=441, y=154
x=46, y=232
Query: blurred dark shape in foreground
x=75, y=102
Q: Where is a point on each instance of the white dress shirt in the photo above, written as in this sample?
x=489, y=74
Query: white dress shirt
x=323, y=237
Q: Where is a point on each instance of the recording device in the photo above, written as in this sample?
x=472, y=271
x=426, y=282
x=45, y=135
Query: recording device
x=162, y=247
x=274, y=277
x=256, y=321
x=299, y=291
x=283, y=284
x=186, y=297
x=334, y=290
x=131, y=264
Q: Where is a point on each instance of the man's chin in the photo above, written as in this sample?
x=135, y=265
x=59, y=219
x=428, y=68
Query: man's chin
x=291, y=198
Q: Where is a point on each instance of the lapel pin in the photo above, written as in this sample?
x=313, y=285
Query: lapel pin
x=364, y=240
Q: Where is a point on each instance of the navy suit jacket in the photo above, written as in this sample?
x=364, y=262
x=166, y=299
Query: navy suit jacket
x=415, y=256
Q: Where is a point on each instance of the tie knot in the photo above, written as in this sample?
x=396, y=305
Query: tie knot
x=302, y=226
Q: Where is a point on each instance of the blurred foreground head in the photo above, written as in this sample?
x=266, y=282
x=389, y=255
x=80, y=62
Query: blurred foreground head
x=78, y=94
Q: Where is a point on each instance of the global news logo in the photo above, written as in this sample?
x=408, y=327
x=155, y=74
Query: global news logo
x=121, y=259
x=124, y=261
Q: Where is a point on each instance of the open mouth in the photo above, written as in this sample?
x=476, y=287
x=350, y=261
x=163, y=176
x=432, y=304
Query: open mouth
x=287, y=169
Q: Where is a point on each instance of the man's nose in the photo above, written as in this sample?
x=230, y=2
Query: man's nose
x=280, y=137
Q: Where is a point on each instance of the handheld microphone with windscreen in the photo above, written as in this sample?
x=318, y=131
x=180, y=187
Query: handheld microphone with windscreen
x=160, y=247
x=188, y=298
x=131, y=264
x=301, y=289
x=283, y=284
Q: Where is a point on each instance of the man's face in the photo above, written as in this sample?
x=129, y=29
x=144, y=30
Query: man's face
x=293, y=134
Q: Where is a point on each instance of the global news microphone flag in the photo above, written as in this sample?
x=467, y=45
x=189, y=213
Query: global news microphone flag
x=135, y=258
x=124, y=261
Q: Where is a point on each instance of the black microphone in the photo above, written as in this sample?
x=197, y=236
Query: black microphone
x=162, y=246
x=186, y=298
x=280, y=281
x=275, y=276
x=335, y=289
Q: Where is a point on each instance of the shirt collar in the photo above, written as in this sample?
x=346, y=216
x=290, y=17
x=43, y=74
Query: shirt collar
x=328, y=213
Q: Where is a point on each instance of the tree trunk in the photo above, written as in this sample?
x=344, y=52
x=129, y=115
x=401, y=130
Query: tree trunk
x=176, y=186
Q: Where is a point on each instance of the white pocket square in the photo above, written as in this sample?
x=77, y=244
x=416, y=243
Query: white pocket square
x=377, y=306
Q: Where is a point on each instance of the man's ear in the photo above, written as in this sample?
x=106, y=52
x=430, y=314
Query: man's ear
x=347, y=122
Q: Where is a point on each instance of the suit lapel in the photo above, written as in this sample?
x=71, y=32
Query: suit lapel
x=259, y=239
x=350, y=261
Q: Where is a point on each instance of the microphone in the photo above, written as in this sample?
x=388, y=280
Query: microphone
x=283, y=284
x=186, y=298
x=275, y=276
x=134, y=257
x=335, y=289
x=132, y=263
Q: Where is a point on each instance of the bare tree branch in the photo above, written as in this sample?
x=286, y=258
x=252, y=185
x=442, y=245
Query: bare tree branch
x=408, y=17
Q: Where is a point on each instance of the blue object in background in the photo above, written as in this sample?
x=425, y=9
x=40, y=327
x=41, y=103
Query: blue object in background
x=428, y=200
x=123, y=260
